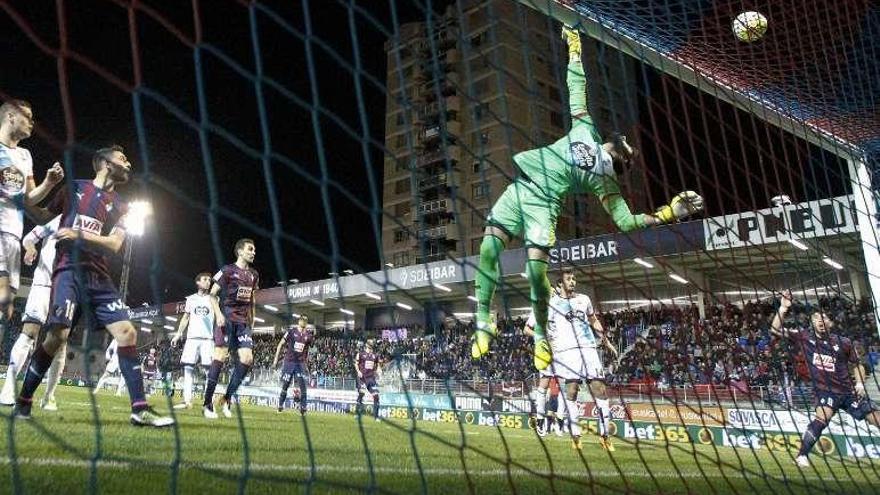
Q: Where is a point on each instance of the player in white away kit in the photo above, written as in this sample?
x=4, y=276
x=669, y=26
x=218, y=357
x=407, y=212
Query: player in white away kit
x=198, y=320
x=574, y=332
x=17, y=189
x=37, y=307
x=111, y=369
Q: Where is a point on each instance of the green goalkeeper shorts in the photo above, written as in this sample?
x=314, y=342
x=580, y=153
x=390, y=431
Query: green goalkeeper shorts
x=522, y=213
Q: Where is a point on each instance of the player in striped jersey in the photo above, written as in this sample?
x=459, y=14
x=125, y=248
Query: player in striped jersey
x=92, y=226
x=17, y=189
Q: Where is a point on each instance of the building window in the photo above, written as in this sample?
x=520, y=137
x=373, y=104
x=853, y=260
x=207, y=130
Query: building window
x=475, y=245
x=484, y=137
x=481, y=110
x=401, y=140
x=401, y=165
x=401, y=209
x=554, y=94
x=480, y=190
x=400, y=235
x=401, y=258
x=480, y=165
x=399, y=119
x=478, y=216
x=482, y=86
x=401, y=186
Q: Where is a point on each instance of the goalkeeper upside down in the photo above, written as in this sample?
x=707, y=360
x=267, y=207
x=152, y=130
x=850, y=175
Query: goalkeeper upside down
x=577, y=163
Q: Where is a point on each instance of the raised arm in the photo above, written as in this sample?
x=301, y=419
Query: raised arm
x=776, y=327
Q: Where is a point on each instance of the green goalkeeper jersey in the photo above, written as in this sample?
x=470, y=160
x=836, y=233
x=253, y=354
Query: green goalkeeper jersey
x=575, y=163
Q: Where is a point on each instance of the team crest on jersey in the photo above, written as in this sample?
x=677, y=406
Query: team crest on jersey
x=583, y=154
x=12, y=180
x=108, y=206
x=201, y=311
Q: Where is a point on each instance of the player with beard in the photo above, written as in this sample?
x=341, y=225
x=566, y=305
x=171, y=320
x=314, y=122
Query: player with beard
x=92, y=226
x=837, y=375
x=239, y=283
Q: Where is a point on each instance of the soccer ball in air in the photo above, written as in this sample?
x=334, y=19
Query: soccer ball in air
x=750, y=26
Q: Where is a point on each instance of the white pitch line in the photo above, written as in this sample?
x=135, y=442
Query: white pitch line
x=329, y=468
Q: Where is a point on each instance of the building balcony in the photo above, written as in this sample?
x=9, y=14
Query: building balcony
x=445, y=179
x=439, y=157
x=435, y=206
x=444, y=232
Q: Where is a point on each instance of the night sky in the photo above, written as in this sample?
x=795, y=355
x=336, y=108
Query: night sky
x=690, y=136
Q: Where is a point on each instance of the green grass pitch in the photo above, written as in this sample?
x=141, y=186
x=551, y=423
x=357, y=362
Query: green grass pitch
x=64, y=452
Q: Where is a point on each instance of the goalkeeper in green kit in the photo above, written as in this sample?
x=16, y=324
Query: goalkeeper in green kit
x=577, y=163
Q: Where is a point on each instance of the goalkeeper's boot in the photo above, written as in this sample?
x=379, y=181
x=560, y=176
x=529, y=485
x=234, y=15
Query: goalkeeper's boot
x=573, y=38
x=483, y=335
x=543, y=354
x=606, y=444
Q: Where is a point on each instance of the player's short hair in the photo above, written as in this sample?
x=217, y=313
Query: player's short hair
x=240, y=244
x=303, y=317
x=203, y=274
x=9, y=106
x=104, y=154
x=562, y=273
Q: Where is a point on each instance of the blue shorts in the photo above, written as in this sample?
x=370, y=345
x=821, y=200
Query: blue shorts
x=293, y=370
x=369, y=384
x=858, y=408
x=77, y=293
x=233, y=335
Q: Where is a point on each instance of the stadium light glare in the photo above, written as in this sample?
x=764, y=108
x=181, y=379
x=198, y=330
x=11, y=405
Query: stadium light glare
x=372, y=296
x=171, y=318
x=474, y=299
x=348, y=271
x=464, y=314
x=678, y=278
x=642, y=262
x=259, y=320
x=295, y=315
x=346, y=311
x=271, y=308
x=147, y=321
x=294, y=281
x=403, y=306
x=833, y=264
x=168, y=327
x=316, y=302
x=442, y=287
x=798, y=244
x=146, y=329
x=136, y=219
x=389, y=265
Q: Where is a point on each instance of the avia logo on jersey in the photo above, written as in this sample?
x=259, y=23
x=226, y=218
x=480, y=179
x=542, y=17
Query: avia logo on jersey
x=88, y=224
x=824, y=362
x=299, y=346
x=117, y=305
x=12, y=180
x=582, y=155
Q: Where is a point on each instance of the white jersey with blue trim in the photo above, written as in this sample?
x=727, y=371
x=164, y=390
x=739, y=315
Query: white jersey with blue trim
x=568, y=325
x=46, y=234
x=16, y=167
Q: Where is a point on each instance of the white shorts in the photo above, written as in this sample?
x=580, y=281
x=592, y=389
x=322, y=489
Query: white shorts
x=112, y=365
x=37, y=307
x=195, y=348
x=576, y=364
x=10, y=258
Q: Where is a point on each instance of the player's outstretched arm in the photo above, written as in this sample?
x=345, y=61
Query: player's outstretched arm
x=776, y=327
x=682, y=206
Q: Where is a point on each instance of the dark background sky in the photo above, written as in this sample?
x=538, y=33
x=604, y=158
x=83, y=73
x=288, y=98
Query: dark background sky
x=685, y=146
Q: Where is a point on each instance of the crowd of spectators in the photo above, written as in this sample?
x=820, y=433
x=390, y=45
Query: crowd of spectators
x=667, y=346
